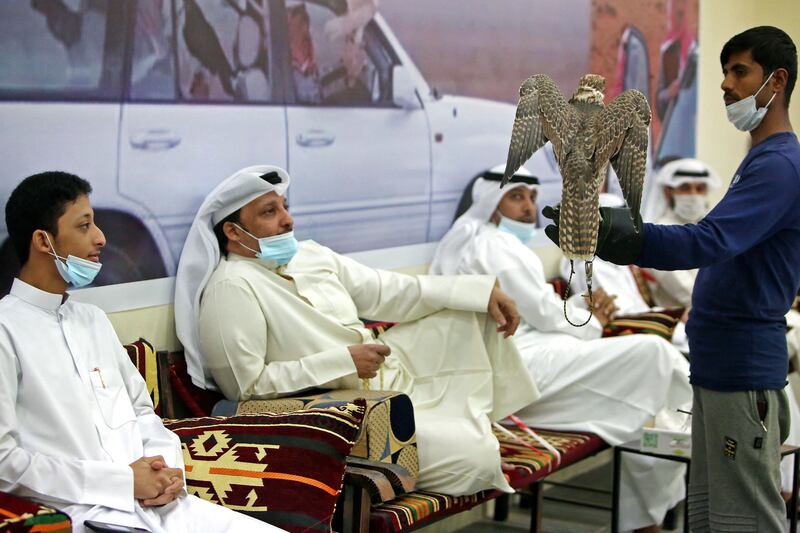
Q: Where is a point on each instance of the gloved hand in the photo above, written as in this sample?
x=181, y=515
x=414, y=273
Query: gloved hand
x=618, y=241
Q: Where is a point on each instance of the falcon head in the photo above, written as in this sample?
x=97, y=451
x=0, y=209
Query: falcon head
x=590, y=89
x=527, y=87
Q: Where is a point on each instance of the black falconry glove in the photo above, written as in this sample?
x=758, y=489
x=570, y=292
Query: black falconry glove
x=618, y=241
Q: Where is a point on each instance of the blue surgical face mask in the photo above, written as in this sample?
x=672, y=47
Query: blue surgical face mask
x=524, y=231
x=74, y=270
x=276, y=250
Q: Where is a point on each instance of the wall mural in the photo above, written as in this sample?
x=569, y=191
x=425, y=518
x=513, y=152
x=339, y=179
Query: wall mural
x=381, y=112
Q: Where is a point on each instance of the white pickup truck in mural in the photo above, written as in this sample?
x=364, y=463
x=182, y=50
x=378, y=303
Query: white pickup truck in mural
x=156, y=101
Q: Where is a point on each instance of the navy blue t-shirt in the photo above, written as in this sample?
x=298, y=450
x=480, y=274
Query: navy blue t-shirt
x=748, y=252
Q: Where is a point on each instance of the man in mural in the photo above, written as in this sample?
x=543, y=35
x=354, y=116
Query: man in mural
x=301, y=49
x=747, y=249
x=77, y=427
x=611, y=387
x=261, y=315
x=674, y=54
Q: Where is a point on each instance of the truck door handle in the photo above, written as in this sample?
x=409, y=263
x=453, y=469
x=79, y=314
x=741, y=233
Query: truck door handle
x=155, y=140
x=315, y=138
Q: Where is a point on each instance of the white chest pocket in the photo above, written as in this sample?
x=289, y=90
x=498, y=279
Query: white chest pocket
x=111, y=396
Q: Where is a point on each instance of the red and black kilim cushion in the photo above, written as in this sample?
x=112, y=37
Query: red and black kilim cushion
x=198, y=401
x=285, y=469
x=18, y=515
x=143, y=356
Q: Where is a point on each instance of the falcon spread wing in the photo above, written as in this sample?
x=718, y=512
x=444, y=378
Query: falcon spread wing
x=542, y=115
x=621, y=137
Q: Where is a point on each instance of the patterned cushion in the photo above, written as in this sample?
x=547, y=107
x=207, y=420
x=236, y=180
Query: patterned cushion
x=285, y=469
x=389, y=433
x=418, y=508
x=21, y=515
x=522, y=465
x=143, y=355
x=661, y=323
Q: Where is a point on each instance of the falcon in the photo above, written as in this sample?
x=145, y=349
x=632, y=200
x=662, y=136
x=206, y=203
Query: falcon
x=586, y=135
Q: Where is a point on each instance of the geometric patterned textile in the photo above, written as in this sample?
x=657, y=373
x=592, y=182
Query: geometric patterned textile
x=143, y=356
x=21, y=515
x=419, y=508
x=522, y=465
x=285, y=469
x=661, y=323
x=389, y=432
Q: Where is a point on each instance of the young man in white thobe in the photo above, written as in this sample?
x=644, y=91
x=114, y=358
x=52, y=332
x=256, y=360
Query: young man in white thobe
x=261, y=315
x=77, y=427
x=612, y=386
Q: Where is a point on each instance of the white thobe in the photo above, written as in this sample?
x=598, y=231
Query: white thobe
x=610, y=387
x=74, y=413
x=268, y=333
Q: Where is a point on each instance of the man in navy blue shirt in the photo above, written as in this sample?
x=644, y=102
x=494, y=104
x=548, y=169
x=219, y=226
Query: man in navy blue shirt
x=748, y=252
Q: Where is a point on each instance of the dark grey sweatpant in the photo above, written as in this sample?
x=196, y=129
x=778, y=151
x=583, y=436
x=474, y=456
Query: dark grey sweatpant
x=735, y=478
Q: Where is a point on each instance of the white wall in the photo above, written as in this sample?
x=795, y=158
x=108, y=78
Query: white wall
x=718, y=143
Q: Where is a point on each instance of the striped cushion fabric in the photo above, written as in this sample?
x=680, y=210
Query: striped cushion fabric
x=143, y=355
x=18, y=515
x=286, y=469
x=661, y=323
x=522, y=465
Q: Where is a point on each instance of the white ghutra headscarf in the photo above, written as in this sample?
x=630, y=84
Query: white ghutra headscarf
x=486, y=195
x=201, y=254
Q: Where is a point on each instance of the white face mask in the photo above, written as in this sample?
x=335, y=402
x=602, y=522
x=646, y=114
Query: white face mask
x=690, y=207
x=744, y=114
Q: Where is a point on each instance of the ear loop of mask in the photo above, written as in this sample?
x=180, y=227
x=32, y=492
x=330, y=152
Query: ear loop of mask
x=762, y=87
x=53, y=249
x=251, y=235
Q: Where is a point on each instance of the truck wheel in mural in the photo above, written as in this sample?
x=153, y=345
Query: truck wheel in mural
x=130, y=253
